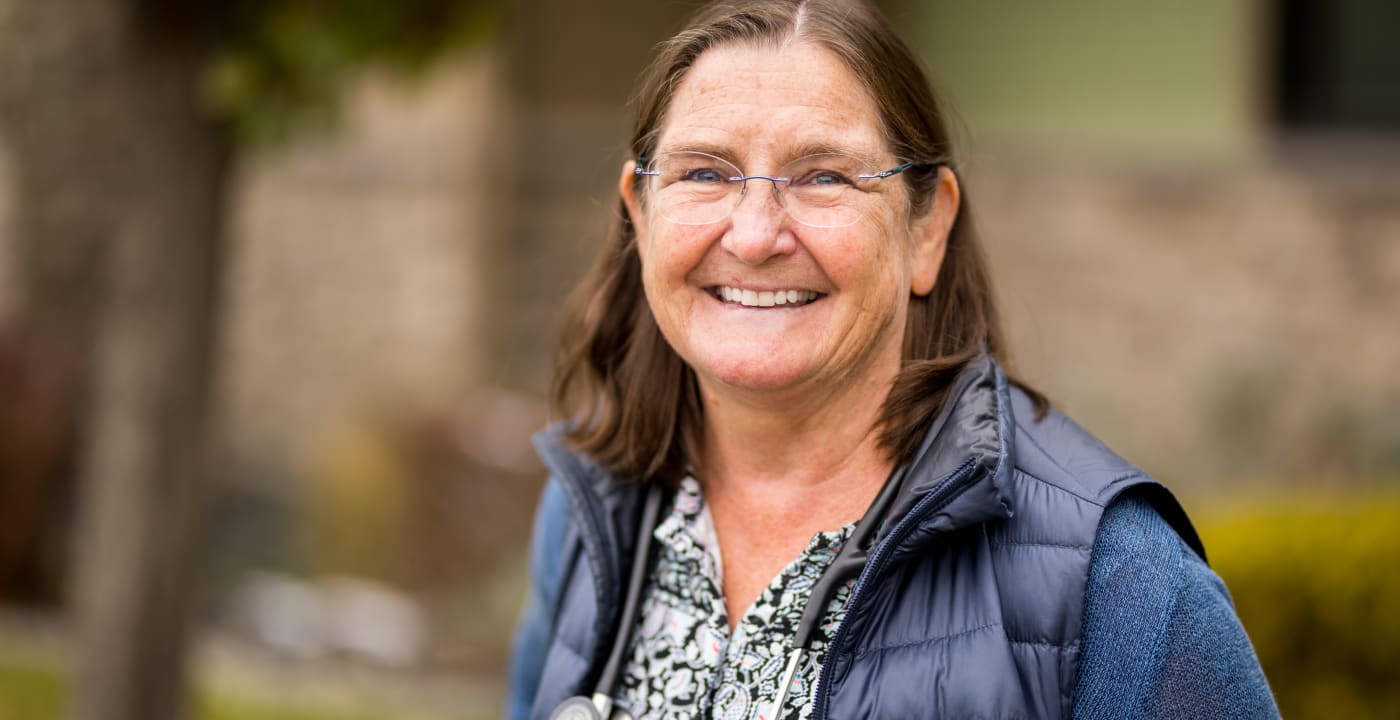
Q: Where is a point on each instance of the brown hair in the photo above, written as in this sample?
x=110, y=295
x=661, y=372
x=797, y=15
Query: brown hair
x=632, y=403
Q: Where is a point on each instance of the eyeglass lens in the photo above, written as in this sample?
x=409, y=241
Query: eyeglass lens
x=694, y=188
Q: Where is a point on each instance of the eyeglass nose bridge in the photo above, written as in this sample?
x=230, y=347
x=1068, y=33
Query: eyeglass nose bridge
x=778, y=191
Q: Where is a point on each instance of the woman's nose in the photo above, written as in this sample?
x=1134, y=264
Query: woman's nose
x=758, y=227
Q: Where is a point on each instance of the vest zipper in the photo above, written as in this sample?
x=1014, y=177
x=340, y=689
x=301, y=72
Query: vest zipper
x=945, y=492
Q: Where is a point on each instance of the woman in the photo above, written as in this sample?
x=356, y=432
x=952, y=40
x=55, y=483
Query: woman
x=795, y=480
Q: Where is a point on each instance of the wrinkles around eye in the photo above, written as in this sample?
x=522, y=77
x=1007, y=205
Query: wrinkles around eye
x=825, y=177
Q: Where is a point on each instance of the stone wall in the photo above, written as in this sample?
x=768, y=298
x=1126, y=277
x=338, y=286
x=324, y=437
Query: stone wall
x=1211, y=321
x=359, y=278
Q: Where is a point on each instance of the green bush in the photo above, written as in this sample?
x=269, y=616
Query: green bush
x=1317, y=585
x=32, y=689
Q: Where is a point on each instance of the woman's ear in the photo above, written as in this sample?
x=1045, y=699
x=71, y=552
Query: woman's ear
x=930, y=233
x=627, y=188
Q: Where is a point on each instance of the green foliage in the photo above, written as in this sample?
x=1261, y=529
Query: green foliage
x=1317, y=586
x=283, y=63
x=227, y=707
x=31, y=690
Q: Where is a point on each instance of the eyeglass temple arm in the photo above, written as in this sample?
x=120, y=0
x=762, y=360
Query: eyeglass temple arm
x=892, y=171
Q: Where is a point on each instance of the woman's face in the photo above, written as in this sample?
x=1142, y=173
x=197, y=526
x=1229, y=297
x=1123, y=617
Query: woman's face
x=761, y=107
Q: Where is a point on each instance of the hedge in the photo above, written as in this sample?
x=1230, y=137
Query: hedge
x=1317, y=586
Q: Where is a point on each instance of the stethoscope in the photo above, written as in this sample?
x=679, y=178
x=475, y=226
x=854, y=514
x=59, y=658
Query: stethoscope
x=848, y=563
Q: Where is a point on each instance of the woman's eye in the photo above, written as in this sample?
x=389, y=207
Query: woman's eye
x=824, y=177
x=703, y=175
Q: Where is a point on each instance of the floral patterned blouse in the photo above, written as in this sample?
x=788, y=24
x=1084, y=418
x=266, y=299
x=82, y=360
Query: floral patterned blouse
x=684, y=663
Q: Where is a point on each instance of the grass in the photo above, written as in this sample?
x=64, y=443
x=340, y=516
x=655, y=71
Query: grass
x=31, y=690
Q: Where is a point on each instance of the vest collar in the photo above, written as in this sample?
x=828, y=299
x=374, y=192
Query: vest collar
x=974, y=427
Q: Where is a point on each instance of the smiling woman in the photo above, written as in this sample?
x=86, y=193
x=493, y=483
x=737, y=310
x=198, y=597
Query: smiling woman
x=792, y=478
x=763, y=106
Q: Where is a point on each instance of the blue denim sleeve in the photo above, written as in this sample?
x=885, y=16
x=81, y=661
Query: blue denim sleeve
x=1161, y=639
x=533, y=631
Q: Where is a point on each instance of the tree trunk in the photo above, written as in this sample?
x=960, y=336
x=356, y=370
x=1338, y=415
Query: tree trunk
x=120, y=184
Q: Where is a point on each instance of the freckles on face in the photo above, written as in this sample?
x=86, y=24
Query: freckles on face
x=714, y=288
x=780, y=109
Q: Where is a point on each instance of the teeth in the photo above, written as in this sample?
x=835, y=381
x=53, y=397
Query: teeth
x=766, y=298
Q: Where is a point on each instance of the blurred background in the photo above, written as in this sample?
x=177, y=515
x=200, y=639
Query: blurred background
x=279, y=281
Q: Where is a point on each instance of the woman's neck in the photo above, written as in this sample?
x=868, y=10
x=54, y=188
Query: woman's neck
x=784, y=454
x=800, y=467
x=773, y=479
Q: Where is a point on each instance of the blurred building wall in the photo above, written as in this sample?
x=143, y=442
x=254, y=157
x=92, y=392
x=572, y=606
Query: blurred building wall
x=1216, y=325
x=1202, y=283
x=358, y=271
x=1099, y=75
x=569, y=71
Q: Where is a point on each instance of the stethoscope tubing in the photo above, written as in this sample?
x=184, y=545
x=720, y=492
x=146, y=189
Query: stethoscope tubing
x=600, y=705
x=848, y=563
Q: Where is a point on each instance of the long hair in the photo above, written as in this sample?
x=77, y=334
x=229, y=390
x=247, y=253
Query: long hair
x=631, y=403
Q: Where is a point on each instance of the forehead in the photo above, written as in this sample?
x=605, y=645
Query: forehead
x=768, y=102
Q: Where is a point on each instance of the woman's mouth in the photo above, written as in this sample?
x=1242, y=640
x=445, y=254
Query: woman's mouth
x=764, y=298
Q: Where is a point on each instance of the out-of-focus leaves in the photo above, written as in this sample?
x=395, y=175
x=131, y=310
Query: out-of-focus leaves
x=1315, y=584
x=281, y=65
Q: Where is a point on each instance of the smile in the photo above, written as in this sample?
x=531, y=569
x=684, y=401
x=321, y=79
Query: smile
x=764, y=298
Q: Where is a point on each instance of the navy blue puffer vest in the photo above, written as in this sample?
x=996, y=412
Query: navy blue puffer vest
x=971, y=603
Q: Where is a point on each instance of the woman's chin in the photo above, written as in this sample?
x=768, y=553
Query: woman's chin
x=754, y=374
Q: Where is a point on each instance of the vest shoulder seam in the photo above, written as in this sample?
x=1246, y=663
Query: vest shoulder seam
x=1024, y=432
x=1057, y=647
x=1117, y=479
x=1025, y=543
